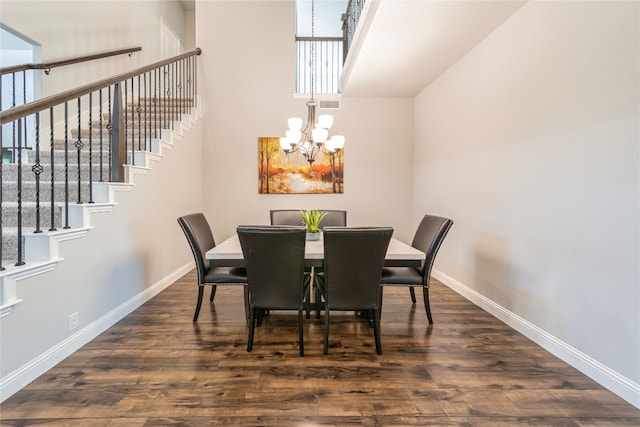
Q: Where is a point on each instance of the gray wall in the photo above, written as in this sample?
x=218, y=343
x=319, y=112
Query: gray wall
x=530, y=143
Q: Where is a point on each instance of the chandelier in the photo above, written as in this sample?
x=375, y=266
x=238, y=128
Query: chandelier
x=314, y=137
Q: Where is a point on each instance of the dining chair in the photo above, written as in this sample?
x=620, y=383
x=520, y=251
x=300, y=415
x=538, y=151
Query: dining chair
x=292, y=217
x=428, y=238
x=353, y=262
x=198, y=233
x=274, y=258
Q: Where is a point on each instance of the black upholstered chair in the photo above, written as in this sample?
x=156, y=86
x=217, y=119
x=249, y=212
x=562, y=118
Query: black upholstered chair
x=274, y=258
x=292, y=217
x=428, y=238
x=353, y=262
x=200, y=238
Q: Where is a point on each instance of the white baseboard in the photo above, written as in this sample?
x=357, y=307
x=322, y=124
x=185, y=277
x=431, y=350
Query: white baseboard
x=22, y=376
x=605, y=376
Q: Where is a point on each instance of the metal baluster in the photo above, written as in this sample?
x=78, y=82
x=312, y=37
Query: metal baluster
x=79, y=144
x=170, y=93
x=189, y=85
x=195, y=78
x=110, y=129
x=174, y=93
x=139, y=111
x=171, y=119
x=118, y=136
x=164, y=104
x=13, y=104
x=181, y=87
x=53, y=180
x=1, y=187
x=101, y=135
x=155, y=103
x=126, y=118
x=24, y=101
x=66, y=165
x=37, y=170
x=146, y=107
x=20, y=260
x=176, y=79
x=90, y=147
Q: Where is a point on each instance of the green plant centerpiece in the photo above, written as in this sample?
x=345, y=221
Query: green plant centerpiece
x=311, y=219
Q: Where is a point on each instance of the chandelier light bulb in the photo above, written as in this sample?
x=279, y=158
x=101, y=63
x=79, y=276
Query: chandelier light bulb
x=337, y=142
x=325, y=121
x=320, y=135
x=295, y=124
x=330, y=146
x=293, y=136
x=284, y=144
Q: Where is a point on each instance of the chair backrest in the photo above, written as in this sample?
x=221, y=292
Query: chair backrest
x=274, y=258
x=292, y=217
x=198, y=232
x=428, y=238
x=353, y=262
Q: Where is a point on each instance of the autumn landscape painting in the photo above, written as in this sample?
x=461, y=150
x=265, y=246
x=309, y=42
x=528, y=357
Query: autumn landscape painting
x=281, y=173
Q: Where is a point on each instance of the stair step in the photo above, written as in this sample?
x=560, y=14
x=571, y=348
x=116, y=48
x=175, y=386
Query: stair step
x=58, y=145
x=10, y=172
x=138, y=131
x=10, y=191
x=29, y=156
x=161, y=100
x=10, y=244
x=10, y=214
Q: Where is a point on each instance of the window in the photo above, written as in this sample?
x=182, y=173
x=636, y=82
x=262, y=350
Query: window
x=319, y=45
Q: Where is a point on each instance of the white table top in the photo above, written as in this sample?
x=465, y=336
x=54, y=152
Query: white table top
x=229, y=253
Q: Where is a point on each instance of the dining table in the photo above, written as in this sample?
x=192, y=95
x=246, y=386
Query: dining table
x=229, y=254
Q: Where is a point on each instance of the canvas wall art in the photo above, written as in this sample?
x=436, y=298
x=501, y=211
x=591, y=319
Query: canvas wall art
x=281, y=173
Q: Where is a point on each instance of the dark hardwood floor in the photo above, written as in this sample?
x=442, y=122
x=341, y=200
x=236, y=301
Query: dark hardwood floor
x=157, y=368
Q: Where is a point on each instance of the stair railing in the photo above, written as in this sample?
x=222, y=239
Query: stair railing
x=350, y=23
x=17, y=75
x=132, y=108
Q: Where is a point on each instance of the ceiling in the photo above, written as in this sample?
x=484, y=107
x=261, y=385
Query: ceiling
x=401, y=46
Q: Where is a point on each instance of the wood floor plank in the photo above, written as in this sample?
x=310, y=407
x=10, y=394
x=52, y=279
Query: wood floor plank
x=158, y=368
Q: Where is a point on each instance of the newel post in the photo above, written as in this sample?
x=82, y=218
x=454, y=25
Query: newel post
x=118, y=148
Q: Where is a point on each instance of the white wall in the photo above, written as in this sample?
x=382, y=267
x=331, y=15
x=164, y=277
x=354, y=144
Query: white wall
x=130, y=249
x=134, y=250
x=189, y=34
x=530, y=144
x=248, y=80
x=70, y=28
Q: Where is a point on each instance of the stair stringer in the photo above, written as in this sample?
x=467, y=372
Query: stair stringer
x=42, y=250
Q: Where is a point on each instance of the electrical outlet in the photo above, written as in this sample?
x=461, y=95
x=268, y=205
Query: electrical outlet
x=74, y=321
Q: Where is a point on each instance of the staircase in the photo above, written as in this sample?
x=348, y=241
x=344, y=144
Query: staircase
x=74, y=196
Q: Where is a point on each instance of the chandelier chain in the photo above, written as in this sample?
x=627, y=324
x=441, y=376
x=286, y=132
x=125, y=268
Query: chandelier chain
x=313, y=23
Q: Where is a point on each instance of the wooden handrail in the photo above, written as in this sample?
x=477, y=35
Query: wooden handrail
x=62, y=62
x=53, y=100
